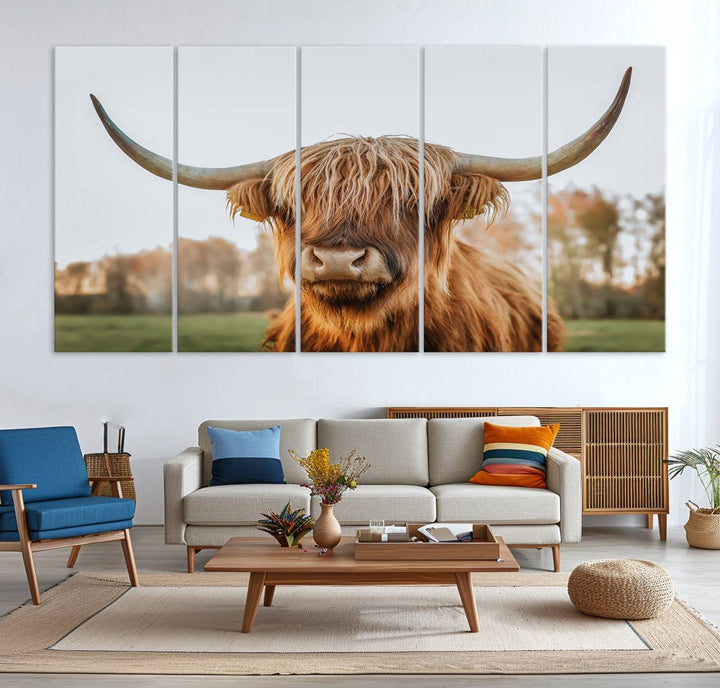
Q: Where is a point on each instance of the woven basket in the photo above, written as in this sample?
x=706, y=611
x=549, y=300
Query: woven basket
x=703, y=527
x=621, y=589
x=108, y=466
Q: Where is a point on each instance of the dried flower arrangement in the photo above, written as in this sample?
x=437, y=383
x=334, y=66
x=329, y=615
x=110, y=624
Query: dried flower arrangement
x=329, y=480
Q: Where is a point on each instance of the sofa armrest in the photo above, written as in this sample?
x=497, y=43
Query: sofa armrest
x=564, y=477
x=181, y=475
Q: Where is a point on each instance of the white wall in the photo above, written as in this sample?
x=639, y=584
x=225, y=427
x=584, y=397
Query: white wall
x=162, y=398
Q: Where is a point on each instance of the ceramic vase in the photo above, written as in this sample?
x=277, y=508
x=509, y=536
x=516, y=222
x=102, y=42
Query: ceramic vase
x=326, y=532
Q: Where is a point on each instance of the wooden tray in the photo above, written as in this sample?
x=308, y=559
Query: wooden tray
x=483, y=547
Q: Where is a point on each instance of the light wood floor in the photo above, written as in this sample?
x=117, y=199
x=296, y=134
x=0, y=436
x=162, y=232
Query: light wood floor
x=696, y=574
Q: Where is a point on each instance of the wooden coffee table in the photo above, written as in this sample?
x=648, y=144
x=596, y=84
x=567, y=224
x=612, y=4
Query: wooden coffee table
x=270, y=565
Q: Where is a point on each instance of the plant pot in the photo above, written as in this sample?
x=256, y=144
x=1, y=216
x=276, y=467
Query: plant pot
x=327, y=532
x=703, y=527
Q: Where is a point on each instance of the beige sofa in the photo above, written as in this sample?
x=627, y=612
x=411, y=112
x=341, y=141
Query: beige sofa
x=419, y=472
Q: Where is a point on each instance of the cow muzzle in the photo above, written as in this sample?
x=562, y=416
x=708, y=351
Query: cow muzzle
x=345, y=276
x=344, y=265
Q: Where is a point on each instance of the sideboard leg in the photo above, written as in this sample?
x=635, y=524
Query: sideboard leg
x=662, y=523
x=650, y=521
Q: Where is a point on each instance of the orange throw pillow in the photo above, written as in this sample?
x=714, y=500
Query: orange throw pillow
x=515, y=456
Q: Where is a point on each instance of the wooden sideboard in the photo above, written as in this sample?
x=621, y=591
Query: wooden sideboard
x=622, y=451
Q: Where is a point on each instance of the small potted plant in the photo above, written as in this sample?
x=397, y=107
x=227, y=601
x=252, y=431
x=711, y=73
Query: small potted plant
x=288, y=527
x=328, y=481
x=703, y=526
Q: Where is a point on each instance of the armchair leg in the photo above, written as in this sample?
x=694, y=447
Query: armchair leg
x=191, y=559
x=26, y=546
x=72, y=559
x=129, y=559
x=30, y=572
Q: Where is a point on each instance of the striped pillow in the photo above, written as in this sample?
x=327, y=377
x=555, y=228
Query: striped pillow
x=515, y=456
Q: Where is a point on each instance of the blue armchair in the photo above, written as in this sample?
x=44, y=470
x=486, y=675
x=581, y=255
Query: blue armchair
x=45, y=500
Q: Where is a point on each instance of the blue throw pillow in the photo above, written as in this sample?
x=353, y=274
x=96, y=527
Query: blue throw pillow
x=241, y=457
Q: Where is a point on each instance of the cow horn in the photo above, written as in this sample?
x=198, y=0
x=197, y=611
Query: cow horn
x=525, y=169
x=199, y=177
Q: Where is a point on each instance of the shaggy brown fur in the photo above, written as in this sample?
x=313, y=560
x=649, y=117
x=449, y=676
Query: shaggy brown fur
x=359, y=192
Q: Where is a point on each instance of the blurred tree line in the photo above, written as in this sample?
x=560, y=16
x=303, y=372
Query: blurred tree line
x=606, y=254
x=215, y=276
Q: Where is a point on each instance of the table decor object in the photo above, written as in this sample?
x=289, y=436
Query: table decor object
x=328, y=481
x=288, y=527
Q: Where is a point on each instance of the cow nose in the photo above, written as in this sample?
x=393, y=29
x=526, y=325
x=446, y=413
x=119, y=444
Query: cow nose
x=334, y=263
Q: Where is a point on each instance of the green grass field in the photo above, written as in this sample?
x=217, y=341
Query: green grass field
x=113, y=333
x=245, y=332
x=615, y=335
x=205, y=332
x=221, y=332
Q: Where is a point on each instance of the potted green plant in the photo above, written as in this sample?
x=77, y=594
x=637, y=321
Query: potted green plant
x=703, y=526
x=288, y=527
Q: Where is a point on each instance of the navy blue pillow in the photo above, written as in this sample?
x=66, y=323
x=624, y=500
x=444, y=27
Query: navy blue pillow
x=245, y=456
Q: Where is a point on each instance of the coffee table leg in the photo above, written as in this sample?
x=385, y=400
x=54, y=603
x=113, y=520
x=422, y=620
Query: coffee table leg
x=269, y=592
x=467, y=597
x=252, y=601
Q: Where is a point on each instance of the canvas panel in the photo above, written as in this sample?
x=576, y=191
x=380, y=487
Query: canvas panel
x=236, y=105
x=606, y=215
x=360, y=114
x=113, y=220
x=483, y=243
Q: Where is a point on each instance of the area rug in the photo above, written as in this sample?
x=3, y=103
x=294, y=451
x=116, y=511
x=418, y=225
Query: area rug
x=189, y=624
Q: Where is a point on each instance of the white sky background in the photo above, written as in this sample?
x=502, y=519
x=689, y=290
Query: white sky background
x=236, y=105
x=582, y=81
x=487, y=100
x=366, y=91
x=104, y=202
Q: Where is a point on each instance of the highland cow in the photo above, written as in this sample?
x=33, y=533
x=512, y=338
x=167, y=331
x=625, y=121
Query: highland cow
x=359, y=201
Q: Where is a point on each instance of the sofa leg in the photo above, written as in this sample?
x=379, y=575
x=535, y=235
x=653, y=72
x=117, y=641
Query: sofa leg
x=130, y=559
x=556, y=558
x=191, y=559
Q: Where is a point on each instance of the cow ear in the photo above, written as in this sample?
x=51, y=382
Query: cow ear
x=474, y=194
x=251, y=199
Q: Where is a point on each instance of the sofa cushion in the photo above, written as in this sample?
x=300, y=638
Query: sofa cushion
x=496, y=504
x=547, y=534
x=382, y=502
x=515, y=456
x=455, y=445
x=295, y=433
x=395, y=449
x=51, y=458
x=241, y=504
x=245, y=456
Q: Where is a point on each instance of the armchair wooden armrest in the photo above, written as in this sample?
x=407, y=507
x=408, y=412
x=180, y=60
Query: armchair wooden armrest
x=112, y=479
x=29, y=486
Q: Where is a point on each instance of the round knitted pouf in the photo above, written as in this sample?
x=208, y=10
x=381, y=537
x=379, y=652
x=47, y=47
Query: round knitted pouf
x=621, y=589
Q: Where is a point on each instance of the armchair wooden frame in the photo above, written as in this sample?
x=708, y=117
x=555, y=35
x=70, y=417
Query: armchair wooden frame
x=26, y=546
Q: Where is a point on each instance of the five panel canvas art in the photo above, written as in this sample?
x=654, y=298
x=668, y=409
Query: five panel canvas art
x=449, y=199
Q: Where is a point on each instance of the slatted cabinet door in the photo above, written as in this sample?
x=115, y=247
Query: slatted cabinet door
x=624, y=469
